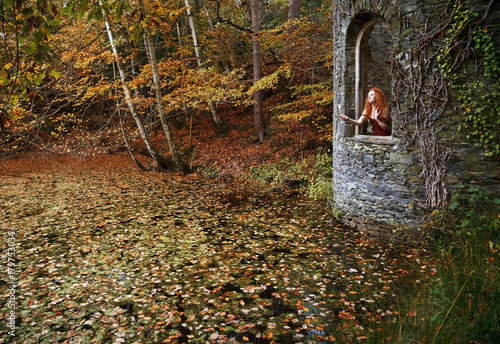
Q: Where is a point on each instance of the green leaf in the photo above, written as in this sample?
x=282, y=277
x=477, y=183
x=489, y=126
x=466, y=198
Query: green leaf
x=55, y=74
x=54, y=22
x=39, y=78
x=30, y=49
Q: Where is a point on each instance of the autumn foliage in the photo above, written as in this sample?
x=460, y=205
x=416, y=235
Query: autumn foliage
x=61, y=90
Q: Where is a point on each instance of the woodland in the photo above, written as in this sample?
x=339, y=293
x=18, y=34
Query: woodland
x=165, y=177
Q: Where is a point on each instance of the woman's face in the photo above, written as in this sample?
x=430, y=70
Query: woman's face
x=371, y=96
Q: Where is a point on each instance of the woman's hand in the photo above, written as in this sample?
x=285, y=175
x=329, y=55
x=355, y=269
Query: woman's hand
x=360, y=121
x=380, y=120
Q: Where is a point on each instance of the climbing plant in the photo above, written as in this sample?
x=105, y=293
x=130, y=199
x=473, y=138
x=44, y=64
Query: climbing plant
x=454, y=60
x=479, y=91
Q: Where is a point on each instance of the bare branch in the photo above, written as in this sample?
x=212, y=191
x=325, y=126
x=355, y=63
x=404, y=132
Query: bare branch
x=227, y=21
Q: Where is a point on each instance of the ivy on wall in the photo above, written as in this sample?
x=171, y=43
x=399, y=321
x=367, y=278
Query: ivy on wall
x=478, y=88
x=455, y=59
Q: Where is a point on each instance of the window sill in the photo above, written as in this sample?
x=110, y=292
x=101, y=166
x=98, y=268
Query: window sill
x=384, y=140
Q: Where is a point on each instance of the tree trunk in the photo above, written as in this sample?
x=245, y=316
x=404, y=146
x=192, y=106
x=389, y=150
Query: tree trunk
x=193, y=33
x=293, y=9
x=151, y=55
x=198, y=58
x=257, y=70
x=142, y=131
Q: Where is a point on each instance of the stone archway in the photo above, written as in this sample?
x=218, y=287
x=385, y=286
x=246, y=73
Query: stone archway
x=368, y=43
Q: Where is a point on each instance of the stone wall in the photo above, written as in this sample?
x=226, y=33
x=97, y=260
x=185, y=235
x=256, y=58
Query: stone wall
x=378, y=184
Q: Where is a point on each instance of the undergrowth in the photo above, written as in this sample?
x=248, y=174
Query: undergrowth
x=462, y=302
x=312, y=175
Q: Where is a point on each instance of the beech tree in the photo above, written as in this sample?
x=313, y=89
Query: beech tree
x=254, y=11
x=25, y=31
x=153, y=44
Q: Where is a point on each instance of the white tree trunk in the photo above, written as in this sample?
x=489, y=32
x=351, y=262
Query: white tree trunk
x=151, y=55
x=128, y=98
x=198, y=57
x=193, y=33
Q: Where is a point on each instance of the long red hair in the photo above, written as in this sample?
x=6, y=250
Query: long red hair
x=380, y=103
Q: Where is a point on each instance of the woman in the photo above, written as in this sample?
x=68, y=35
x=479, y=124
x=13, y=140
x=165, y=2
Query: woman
x=376, y=111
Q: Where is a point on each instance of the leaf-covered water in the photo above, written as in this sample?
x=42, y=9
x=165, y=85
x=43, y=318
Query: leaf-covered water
x=107, y=254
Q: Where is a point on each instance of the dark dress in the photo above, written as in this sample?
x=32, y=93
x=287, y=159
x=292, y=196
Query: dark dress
x=377, y=129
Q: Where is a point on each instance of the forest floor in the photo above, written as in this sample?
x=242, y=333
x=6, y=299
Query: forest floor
x=100, y=252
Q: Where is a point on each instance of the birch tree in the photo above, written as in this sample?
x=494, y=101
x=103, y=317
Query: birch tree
x=151, y=55
x=198, y=57
x=158, y=160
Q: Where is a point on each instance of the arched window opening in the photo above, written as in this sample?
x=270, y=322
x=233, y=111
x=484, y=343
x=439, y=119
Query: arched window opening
x=373, y=65
x=369, y=44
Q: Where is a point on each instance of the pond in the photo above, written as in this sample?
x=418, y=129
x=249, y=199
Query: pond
x=105, y=253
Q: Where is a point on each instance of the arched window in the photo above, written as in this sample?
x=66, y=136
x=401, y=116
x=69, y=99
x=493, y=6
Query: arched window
x=368, y=51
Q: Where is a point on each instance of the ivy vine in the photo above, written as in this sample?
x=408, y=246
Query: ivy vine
x=455, y=61
x=473, y=71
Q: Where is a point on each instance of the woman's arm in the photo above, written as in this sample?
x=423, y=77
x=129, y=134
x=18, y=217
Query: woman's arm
x=360, y=120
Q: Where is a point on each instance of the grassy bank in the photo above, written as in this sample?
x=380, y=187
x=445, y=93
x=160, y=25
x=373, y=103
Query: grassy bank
x=461, y=303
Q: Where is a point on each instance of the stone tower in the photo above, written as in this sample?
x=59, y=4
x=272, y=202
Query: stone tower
x=382, y=183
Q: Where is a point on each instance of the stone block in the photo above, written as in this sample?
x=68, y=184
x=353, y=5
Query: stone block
x=400, y=158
